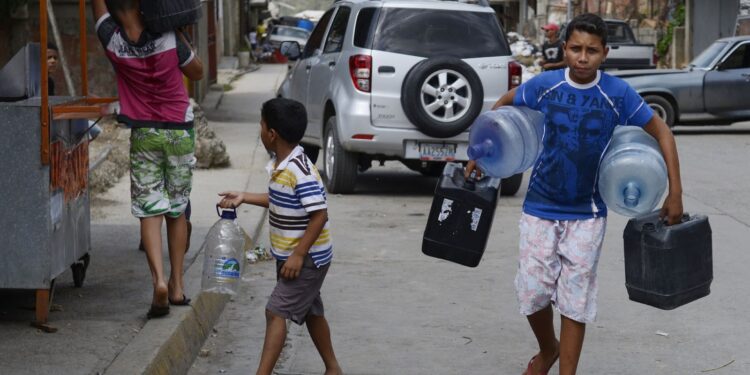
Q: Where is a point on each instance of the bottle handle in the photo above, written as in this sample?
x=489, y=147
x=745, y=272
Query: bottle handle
x=219, y=210
x=663, y=221
x=470, y=182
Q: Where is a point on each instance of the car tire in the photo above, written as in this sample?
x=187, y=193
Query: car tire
x=509, y=186
x=424, y=109
x=312, y=152
x=339, y=165
x=661, y=107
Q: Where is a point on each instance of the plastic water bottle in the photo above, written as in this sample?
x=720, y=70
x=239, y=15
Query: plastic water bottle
x=506, y=141
x=632, y=174
x=222, y=264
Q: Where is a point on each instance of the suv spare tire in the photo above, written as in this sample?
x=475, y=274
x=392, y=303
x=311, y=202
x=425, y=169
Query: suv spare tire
x=442, y=96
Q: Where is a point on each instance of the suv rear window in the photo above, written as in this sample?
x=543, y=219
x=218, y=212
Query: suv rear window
x=429, y=33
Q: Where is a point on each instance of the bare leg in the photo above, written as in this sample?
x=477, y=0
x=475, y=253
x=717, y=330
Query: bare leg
x=151, y=236
x=321, y=336
x=274, y=342
x=571, y=342
x=177, y=240
x=544, y=330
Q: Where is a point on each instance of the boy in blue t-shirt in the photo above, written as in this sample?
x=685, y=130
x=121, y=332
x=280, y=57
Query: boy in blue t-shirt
x=564, y=218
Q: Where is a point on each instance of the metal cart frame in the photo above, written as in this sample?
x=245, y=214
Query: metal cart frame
x=74, y=165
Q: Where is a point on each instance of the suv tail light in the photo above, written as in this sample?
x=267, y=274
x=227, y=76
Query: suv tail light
x=655, y=59
x=360, y=68
x=514, y=75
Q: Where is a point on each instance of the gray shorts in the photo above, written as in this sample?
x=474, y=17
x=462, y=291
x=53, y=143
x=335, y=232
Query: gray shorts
x=298, y=298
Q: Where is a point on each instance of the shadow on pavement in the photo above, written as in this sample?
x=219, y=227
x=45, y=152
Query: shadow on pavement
x=395, y=183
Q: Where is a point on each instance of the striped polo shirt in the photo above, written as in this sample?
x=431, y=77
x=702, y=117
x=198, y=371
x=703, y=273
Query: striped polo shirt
x=295, y=189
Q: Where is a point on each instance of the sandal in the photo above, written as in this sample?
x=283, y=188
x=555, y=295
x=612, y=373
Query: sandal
x=184, y=302
x=157, y=311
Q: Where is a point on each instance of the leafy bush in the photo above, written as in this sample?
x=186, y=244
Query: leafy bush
x=677, y=20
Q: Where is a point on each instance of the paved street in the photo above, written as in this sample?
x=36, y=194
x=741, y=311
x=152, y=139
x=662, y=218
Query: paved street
x=393, y=310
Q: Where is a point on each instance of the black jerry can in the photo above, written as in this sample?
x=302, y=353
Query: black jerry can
x=668, y=266
x=460, y=217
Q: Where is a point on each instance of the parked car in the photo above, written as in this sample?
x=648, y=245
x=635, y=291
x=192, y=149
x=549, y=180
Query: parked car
x=398, y=80
x=713, y=88
x=283, y=33
x=625, y=52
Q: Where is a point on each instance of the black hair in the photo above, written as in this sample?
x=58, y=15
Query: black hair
x=288, y=117
x=116, y=6
x=588, y=23
x=52, y=46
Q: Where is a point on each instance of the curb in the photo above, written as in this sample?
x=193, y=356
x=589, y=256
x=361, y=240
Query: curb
x=170, y=345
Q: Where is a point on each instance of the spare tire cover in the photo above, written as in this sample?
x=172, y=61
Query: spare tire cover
x=442, y=96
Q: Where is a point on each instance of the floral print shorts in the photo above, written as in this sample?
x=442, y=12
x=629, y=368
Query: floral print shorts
x=161, y=171
x=557, y=264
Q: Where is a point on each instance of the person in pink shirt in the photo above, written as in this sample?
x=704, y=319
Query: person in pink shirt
x=155, y=105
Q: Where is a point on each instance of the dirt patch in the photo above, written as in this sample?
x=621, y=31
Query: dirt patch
x=109, y=152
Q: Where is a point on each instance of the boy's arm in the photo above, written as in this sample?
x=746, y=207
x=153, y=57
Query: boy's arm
x=506, y=99
x=233, y=199
x=293, y=264
x=194, y=68
x=99, y=8
x=672, y=208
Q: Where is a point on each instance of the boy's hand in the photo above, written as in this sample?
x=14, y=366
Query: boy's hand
x=293, y=265
x=672, y=209
x=232, y=199
x=471, y=166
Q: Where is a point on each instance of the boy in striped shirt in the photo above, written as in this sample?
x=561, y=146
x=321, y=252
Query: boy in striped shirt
x=300, y=240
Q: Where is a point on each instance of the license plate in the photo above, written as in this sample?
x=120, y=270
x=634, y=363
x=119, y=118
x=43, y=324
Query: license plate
x=437, y=151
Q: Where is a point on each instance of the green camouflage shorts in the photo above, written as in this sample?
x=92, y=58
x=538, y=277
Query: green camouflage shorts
x=161, y=171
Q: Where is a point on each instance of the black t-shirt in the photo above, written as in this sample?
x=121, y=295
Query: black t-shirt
x=553, y=52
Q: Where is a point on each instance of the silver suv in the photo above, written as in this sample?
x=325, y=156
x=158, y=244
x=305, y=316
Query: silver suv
x=398, y=80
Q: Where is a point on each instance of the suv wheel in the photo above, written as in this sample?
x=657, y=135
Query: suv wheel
x=510, y=185
x=442, y=96
x=339, y=165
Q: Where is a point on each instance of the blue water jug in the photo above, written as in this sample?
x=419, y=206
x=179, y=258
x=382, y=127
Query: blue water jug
x=223, y=249
x=632, y=174
x=506, y=141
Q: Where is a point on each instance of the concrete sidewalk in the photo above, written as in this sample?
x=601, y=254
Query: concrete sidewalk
x=103, y=326
x=168, y=346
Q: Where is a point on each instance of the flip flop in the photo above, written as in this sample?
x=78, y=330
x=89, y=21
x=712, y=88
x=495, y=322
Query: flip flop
x=184, y=302
x=529, y=368
x=157, y=311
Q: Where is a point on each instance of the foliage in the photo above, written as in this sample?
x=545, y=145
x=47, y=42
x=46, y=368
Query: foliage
x=677, y=20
